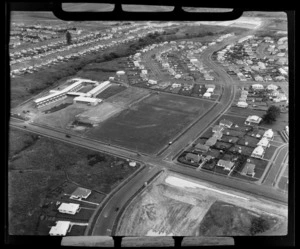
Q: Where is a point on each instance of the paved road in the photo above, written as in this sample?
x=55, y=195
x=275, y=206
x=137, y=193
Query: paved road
x=276, y=167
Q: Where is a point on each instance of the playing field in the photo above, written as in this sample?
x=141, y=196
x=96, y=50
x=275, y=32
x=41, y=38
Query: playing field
x=150, y=124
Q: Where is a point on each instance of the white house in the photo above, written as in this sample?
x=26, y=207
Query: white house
x=60, y=229
x=253, y=120
x=227, y=165
x=264, y=142
x=269, y=134
x=120, y=73
x=207, y=95
x=242, y=104
x=69, y=208
x=272, y=87
x=257, y=86
x=258, y=152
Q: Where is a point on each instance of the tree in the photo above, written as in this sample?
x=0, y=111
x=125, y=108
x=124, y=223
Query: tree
x=272, y=113
x=68, y=37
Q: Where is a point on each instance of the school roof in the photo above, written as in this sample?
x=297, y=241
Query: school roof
x=60, y=228
x=81, y=192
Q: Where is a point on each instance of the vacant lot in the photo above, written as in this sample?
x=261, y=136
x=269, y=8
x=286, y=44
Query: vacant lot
x=37, y=165
x=150, y=124
x=174, y=205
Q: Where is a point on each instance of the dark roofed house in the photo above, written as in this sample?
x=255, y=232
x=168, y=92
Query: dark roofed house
x=227, y=165
x=249, y=169
x=201, y=147
x=211, y=141
x=80, y=193
x=217, y=128
x=226, y=123
x=192, y=157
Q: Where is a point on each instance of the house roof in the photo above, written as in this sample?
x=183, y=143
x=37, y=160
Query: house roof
x=211, y=141
x=60, y=228
x=253, y=118
x=259, y=150
x=226, y=122
x=269, y=133
x=250, y=168
x=69, y=207
x=225, y=164
x=242, y=103
x=201, y=147
x=263, y=142
x=217, y=128
x=218, y=134
x=195, y=158
x=81, y=192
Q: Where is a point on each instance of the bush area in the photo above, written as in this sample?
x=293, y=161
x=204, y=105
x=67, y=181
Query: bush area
x=224, y=219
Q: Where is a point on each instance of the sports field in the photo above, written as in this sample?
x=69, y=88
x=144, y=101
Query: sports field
x=150, y=124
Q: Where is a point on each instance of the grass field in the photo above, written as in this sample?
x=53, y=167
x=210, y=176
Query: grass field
x=37, y=165
x=150, y=124
x=110, y=91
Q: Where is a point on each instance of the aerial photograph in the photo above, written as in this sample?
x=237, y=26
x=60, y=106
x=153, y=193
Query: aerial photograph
x=148, y=128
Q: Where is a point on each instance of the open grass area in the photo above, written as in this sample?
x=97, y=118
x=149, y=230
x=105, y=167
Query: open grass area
x=110, y=91
x=150, y=124
x=269, y=152
x=42, y=164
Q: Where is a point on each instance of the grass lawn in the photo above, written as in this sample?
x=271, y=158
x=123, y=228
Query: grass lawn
x=110, y=91
x=269, y=152
x=260, y=166
x=245, y=150
x=234, y=119
x=41, y=165
x=150, y=124
x=252, y=141
x=283, y=183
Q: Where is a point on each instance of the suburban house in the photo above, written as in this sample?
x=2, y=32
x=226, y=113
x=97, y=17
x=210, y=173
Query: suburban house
x=269, y=134
x=69, y=208
x=227, y=165
x=201, y=147
x=258, y=152
x=218, y=135
x=242, y=104
x=60, y=229
x=257, y=86
x=249, y=169
x=207, y=95
x=217, y=128
x=264, y=142
x=81, y=193
x=226, y=123
x=211, y=141
x=253, y=120
x=193, y=158
x=272, y=87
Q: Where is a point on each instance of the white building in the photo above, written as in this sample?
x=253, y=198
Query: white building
x=98, y=89
x=257, y=86
x=86, y=100
x=242, y=104
x=120, y=73
x=252, y=120
x=269, y=134
x=207, y=95
x=60, y=229
x=258, y=152
x=264, y=142
x=272, y=87
x=69, y=208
